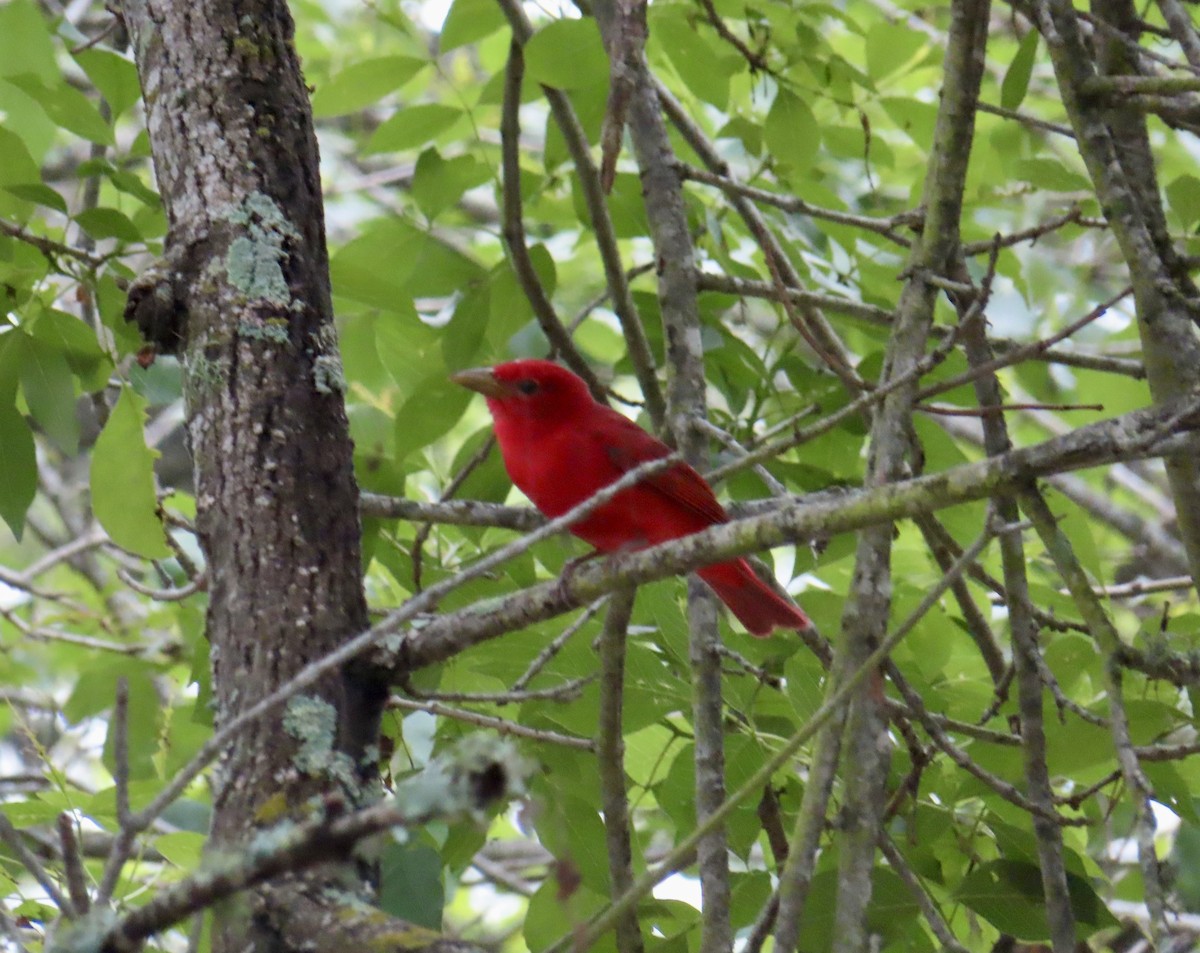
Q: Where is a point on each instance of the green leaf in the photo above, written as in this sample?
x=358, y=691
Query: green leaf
x=411, y=884
x=439, y=183
x=626, y=206
x=412, y=126
x=67, y=107
x=567, y=54
x=364, y=83
x=34, y=811
x=747, y=132
x=571, y=829
x=40, y=195
x=114, y=75
x=600, y=340
x=1073, y=523
x=392, y=262
x=76, y=342
x=892, y=46
x=434, y=407
x=49, y=389
x=96, y=690
x=696, y=60
x=1008, y=894
x=25, y=42
x=131, y=184
x=893, y=914
x=18, y=167
x=103, y=223
x=123, y=496
x=648, y=754
x=407, y=348
x=464, y=334
x=1186, y=865
x=1016, y=79
x=184, y=849
x=1171, y=789
x=551, y=914
x=468, y=21
x=20, y=469
x=913, y=117
x=791, y=131
x=1183, y=195
x=1050, y=174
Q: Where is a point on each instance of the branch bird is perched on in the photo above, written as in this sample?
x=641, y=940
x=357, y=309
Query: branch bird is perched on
x=560, y=446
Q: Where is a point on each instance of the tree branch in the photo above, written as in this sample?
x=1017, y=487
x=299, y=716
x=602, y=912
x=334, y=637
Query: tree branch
x=610, y=764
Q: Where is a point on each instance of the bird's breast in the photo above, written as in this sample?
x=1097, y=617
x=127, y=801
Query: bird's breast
x=560, y=469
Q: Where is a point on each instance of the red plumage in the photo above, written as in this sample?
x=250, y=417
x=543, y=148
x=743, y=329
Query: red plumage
x=560, y=446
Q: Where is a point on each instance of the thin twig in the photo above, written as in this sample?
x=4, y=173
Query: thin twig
x=567, y=691
x=1023, y=352
x=25, y=856
x=50, y=248
x=418, y=546
x=197, y=584
x=811, y=324
x=72, y=858
x=1032, y=121
x=514, y=228
x=753, y=786
x=1142, y=587
x=1073, y=574
x=127, y=826
x=610, y=764
x=1182, y=29
x=637, y=345
x=41, y=634
x=1048, y=834
x=1074, y=217
x=422, y=602
x=521, y=519
x=887, y=227
x=502, y=725
x=289, y=849
x=554, y=647
x=757, y=61
x=1007, y=790
x=873, y=397
x=943, y=410
x=933, y=916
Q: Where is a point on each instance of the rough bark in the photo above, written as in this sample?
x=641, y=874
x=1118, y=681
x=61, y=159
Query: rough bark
x=243, y=297
x=1115, y=147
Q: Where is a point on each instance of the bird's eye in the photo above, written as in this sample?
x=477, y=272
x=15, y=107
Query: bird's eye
x=528, y=386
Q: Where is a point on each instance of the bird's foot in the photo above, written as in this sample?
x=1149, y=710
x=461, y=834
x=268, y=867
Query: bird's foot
x=570, y=567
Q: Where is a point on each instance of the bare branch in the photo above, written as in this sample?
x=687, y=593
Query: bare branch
x=602, y=228
x=1027, y=671
x=610, y=764
x=502, y=725
x=449, y=788
x=760, y=778
x=514, y=229
x=1109, y=642
x=25, y=856
x=127, y=828
x=73, y=869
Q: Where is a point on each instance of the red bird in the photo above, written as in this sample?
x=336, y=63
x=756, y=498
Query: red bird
x=560, y=446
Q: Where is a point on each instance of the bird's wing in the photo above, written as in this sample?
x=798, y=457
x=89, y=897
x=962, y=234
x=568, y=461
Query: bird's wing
x=627, y=446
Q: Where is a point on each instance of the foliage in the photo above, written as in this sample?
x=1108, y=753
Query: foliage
x=828, y=107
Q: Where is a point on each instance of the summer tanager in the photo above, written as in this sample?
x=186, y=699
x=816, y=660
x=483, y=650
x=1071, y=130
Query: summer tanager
x=560, y=446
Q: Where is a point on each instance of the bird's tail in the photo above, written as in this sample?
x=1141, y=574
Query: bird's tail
x=755, y=604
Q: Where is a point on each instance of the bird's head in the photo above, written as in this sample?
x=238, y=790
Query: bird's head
x=530, y=389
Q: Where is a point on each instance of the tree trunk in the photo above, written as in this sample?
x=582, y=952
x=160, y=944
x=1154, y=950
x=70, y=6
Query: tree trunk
x=243, y=298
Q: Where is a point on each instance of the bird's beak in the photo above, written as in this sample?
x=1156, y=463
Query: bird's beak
x=483, y=380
